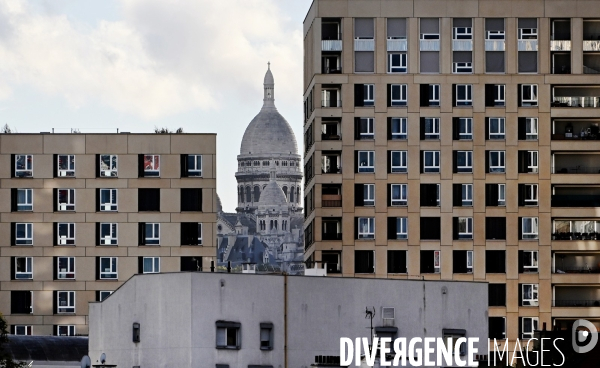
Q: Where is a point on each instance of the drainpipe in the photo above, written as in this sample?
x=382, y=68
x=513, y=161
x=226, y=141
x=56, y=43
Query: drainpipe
x=285, y=322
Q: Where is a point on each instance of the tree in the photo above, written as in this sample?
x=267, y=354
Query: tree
x=5, y=359
x=165, y=130
x=6, y=129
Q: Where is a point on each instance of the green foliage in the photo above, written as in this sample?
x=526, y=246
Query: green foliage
x=5, y=359
x=6, y=129
x=165, y=130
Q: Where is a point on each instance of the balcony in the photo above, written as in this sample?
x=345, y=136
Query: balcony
x=364, y=44
x=575, y=200
x=331, y=45
x=591, y=45
x=330, y=63
x=462, y=45
x=576, y=296
x=332, y=228
x=527, y=45
x=331, y=195
x=560, y=45
x=330, y=97
x=331, y=162
x=570, y=229
x=330, y=130
x=494, y=45
x=429, y=45
x=561, y=63
x=331, y=38
x=397, y=44
x=576, y=303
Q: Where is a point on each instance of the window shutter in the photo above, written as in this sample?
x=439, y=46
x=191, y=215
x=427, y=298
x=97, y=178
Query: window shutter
x=156, y=199
x=455, y=232
x=521, y=195
x=55, y=268
x=520, y=295
x=487, y=161
x=519, y=101
x=435, y=228
x=454, y=95
x=55, y=165
x=13, y=199
x=391, y=226
x=455, y=128
x=355, y=161
x=522, y=164
x=356, y=228
x=184, y=233
x=502, y=227
x=520, y=228
x=12, y=233
x=184, y=166
x=401, y=259
x=142, y=233
x=494, y=194
x=97, y=233
x=389, y=129
x=97, y=199
x=424, y=95
x=489, y=95
x=520, y=323
x=356, y=129
x=457, y=195
x=424, y=263
x=422, y=129
x=359, y=95
x=97, y=268
x=141, y=165
x=12, y=268
x=488, y=194
x=522, y=128
x=55, y=199
x=54, y=301
x=455, y=161
x=12, y=165
x=359, y=195
x=487, y=129
x=140, y=264
x=193, y=233
x=421, y=162
x=489, y=229
x=389, y=162
x=389, y=195
x=389, y=95
x=200, y=199
x=521, y=259
x=55, y=233
x=97, y=166
x=423, y=194
x=221, y=338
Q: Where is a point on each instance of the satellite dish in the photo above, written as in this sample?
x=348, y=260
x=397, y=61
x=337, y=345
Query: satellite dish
x=86, y=362
x=102, y=358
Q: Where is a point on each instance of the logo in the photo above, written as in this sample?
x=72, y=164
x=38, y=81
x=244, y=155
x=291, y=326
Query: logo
x=580, y=335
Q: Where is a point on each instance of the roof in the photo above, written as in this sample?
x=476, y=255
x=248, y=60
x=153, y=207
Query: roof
x=47, y=348
x=232, y=219
x=272, y=195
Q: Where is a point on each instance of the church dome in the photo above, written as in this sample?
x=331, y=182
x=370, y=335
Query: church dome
x=272, y=195
x=269, y=132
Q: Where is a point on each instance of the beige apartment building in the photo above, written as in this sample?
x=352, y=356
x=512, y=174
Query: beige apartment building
x=458, y=140
x=81, y=213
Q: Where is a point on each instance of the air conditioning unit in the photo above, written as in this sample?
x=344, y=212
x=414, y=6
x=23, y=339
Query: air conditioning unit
x=107, y=239
x=62, y=240
x=106, y=173
x=62, y=173
x=388, y=315
x=63, y=206
x=106, y=207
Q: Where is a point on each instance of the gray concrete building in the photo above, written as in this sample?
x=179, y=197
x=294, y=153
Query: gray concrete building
x=234, y=320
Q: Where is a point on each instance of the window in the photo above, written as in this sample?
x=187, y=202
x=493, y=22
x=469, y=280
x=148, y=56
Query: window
x=65, y=330
x=65, y=200
x=108, y=166
x=65, y=165
x=23, y=268
x=150, y=166
x=495, y=195
x=451, y=338
x=397, y=228
x=108, y=268
x=364, y=261
x=462, y=33
x=431, y=162
x=528, y=194
x=528, y=161
x=398, y=194
x=466, y=195
x=529, y=93
x=398, y=128
x=148, y=199
x=65, y=233
x=528, y=129
x=528, y=261
x=496, y=128
x=228, y=335
x=494, y=35
x=465, y=128
x=65, y=268
x=497, y=295
x=20, y=302
x=396, y=261
x=501, y=194
x=430, y=261
x=464, y=228
x=430, y=228
x=462, y=66
x=527, y=34
x=464, y=95
x=21, y=330
x=434, y=94
x=150, y=233
x=497, y=163
x=369, y=95
x=397, y=63
x=430, y=195
x=102, y=294
x=529, y=228
x=366, y=161
x=398, y=94
x=108, y=200
x=65, y=301
x=23, y=166
x=150, y=264
x=368, y=194
x=193, y=264
x=463, y=162
x=495, y=261
x=498, y=95
x=107, y=234
x=366, y=227
x=495, y=228
x=266, y=336
x=398, y=161
x=194, y=166
x=528, y=326
x=332, y=261
x=22, y=200
x=365, y=128
x=191, y=200
x=430, y=128
x=23, y=234
x=191, y=233
x=462, y=261
x=529, y=295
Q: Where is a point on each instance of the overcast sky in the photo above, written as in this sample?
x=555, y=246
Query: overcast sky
x=134, y=64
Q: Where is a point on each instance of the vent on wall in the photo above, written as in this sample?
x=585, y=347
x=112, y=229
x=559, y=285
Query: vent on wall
x=388, y=314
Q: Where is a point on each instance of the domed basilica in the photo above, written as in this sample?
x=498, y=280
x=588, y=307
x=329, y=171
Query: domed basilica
x=266, y=229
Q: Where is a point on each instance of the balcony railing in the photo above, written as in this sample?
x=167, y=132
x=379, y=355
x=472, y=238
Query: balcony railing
x=576, y=303
x=591, y=45
x=332, y=236
x=588, y=70
x=397, y=44
x=331, y=200
x=562, y=69
x=331, y=103
x=528, y=45
x=576, y=236
x=576, y=102
x=561, y=270
x=462, y=45
x=576, y=170
x=494, y=45
x=331, y=45
x=364, y=44
x=330, y=137
x=331, y=170
x=560, y=45
x=332, y=70
x=575, y=201
x=429, y=45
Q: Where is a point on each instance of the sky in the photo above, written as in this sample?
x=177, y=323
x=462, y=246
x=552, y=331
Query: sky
x=134, y=65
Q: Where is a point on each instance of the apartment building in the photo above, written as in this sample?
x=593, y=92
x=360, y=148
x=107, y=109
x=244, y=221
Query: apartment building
x=82, y=213
x=458, y=140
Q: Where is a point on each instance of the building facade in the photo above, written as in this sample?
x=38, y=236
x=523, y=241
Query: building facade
x=82, y=213
x=224, y=320
x=458, y=140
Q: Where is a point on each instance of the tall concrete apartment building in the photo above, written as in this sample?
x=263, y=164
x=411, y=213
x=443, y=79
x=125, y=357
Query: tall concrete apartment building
x=458, y=140
x=82, y=213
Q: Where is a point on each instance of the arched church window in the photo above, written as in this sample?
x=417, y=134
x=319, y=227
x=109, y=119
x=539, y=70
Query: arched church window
x=292, y=195
x=256, y=163
x=285, y=191
x=275, y=224
x=256, y=193
x=248, y=195
x=241, y=194
x=265, y=163
x=298, y=195
x=284, y=163
x=276, y=163
x=271, y=227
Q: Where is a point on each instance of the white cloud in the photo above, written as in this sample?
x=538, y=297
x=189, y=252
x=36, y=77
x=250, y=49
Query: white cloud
x=160, y=58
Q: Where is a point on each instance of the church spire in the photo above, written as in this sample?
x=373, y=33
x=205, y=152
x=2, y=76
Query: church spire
x=269, y=87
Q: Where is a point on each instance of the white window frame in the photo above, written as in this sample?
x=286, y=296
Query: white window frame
x=494, y=35
x=532, y=99
x=402, y=66
x=154, y=265
x=500, y=99
x=533, y=257
x=26, y=274
x=110, y=271
x=153, y=167
x=470, y=260
x=534, y=326
x=68, y=233
x=531, y=129
x=22, y=330
x=465, y=129
x=28, y=229
x=222, y=337
x=437, y=261
x=402, y=200
x=434, y=95
x=467, y=195
x=366, y=227
x=28, y=204
x=468, y=230
x=112, y=204
x=531, y=192
x=104, y=292
x=69, y=171
x=534, y=224
x=200, y=233
x=464, y=67
x=69, y=304
x=369, y=166
x=69, y=205
x=450, y=341
x=501, y=167
x=528, y=34
x=154, y=237
x=402, y=101
x=435, y=158
x=430, y=36
x=368, y=194
x=110, y=170
x=532, y=161
x=369, y=95
x=467, y=168
x=401, y=228
x=27, y=170
x=67, y=272
x=500, y=132
x=112, y=237
x=65, y=330
x=194, y=165
x=434, y=134
x=403, y=157
x=532, y=301
x=402, y=125
x=462, y=33
x=468, y=100
x=501, y=195
x=369, y=124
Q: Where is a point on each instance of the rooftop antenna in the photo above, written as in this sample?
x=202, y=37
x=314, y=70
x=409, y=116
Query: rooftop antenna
x=370, y=314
